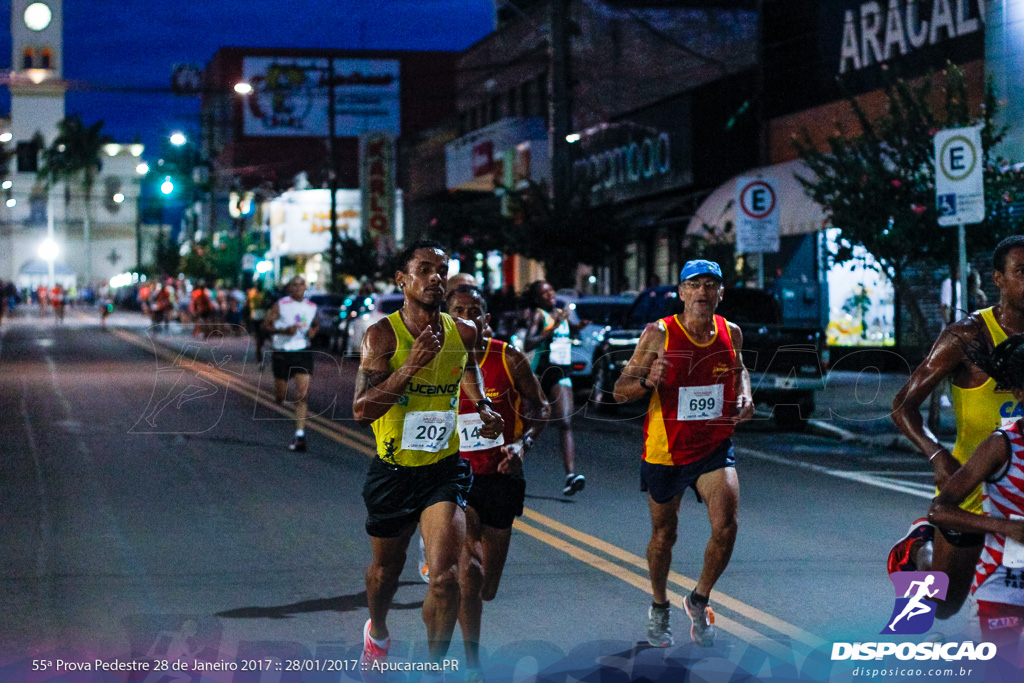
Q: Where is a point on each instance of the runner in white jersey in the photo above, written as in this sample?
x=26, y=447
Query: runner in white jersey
x=292, y=321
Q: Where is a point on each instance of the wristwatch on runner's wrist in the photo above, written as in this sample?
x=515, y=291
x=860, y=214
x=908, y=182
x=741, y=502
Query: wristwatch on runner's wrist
x=484, y=402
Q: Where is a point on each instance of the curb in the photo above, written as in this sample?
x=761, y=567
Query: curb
x=886, y=441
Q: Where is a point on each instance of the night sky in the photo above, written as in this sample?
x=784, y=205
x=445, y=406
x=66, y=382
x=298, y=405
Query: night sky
x=117, y=49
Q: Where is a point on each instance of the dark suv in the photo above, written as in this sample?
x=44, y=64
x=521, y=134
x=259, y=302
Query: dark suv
x=786, y=362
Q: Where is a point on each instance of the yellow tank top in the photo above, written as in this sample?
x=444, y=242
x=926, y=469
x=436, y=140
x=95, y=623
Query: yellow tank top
x=979, y=412
x=418, y=430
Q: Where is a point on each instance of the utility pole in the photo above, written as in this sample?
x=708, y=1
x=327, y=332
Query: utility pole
x=762, y=128
x=558, y=108
x=333, y=179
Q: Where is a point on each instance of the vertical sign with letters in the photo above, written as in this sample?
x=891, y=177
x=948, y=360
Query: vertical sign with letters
x=377, y=183
x=959, y=186
x=757, y=216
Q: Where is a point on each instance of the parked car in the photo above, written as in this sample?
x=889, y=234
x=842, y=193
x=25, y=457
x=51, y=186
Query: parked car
x=368, y=311
x=327, y=308
x=786, y=362
x=604, y=314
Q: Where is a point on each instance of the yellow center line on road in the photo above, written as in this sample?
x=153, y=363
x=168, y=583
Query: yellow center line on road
x=685, y=582
x=363, y=443
x=341, y=436
x=641, y=582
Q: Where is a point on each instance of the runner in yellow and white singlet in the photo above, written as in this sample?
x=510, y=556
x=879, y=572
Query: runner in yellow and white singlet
x=979, y=408
x=413, y=368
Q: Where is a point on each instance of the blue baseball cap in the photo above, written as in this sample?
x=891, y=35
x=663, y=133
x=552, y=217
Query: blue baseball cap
x=700, y=267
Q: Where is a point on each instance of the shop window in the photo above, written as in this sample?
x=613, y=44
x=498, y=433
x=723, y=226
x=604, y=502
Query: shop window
x=28, y=157
x=46, y=58
x=526, y=99
x=28, y=59
x=112, y=187
x=494, y=109
x=37, y=207
x=513, y=102
x=542, y=95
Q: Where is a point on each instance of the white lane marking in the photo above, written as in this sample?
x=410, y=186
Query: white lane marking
x=910, y=488
x=45, y=524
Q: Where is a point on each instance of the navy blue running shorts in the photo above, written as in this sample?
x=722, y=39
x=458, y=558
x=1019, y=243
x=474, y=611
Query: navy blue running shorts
x=665, y=482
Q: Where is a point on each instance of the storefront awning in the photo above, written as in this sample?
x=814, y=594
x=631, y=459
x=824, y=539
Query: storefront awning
x=798, y=213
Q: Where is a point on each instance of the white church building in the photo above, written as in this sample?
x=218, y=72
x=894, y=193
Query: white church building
x=27, y=214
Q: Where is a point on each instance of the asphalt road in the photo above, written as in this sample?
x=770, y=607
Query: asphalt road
x=151, y=510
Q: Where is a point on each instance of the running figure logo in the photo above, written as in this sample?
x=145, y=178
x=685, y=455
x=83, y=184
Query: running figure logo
x=914, y=611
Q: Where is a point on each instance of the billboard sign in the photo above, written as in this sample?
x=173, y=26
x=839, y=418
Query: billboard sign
x=290, y=96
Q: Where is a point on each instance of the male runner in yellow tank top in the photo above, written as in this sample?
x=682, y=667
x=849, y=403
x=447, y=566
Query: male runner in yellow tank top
x=979, y=410
x=408, y=385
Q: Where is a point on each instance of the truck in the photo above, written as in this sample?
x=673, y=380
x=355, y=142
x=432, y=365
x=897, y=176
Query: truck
x=787, y=362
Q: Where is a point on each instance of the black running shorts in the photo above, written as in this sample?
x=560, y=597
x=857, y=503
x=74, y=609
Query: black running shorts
x=551, y=375
x=395, y=496
x=962, y=539
x=665, y=482
x=497, y=498
x=284, y=363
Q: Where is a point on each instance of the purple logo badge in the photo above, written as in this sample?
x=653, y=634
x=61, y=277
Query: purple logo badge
x=916, y=593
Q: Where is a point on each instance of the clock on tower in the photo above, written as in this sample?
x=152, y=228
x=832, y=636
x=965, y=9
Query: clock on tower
x=37, y=16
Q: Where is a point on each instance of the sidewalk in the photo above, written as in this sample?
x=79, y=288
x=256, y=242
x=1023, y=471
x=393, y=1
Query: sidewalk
x=856, y=406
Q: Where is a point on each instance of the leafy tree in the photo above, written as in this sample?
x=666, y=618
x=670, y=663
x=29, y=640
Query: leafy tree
x=877, y=184
x=358, y=260
x=532, y=228
x=75, y=154
x=210, y=262
x=166, y=256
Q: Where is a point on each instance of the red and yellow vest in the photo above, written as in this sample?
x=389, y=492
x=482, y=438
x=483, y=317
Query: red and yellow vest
x=500, y=388
x=700, y=383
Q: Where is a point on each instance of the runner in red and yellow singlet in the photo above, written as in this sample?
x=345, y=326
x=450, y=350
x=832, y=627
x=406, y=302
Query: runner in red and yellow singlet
x=496, y=497
x=690, y=365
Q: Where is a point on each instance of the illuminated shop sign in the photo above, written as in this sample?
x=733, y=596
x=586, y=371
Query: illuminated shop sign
x=877, y=31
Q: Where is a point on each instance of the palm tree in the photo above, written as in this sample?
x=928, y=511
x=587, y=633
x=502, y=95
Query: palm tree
x=75, y=153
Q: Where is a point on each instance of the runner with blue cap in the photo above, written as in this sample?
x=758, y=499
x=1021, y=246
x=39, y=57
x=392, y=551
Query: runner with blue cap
x=690, y=366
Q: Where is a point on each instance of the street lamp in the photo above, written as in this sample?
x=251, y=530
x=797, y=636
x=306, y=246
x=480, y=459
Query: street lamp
x=178, y=139
x=48, y=251
x=327, y=78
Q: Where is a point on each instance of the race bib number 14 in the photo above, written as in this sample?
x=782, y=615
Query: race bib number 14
x=427, y=430
x=470, y=425
x=700, y=403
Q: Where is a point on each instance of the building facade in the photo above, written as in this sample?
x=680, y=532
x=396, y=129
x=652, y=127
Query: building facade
x=30, y=212
x=642, y=81
x=281, y=136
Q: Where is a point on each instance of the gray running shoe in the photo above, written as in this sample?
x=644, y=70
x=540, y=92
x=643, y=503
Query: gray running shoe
x=573, y=483
x=659, y=633
x=703, y=630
